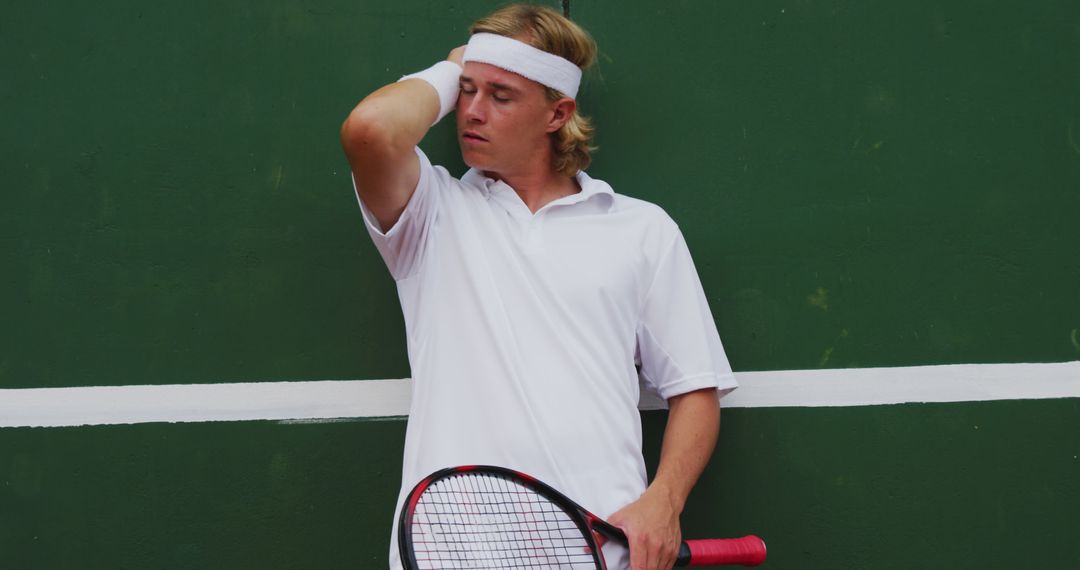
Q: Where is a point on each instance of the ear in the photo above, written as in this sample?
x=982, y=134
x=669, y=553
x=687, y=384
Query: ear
x=561, y=111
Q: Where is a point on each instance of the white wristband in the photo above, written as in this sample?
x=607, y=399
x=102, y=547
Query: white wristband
x=444, y=77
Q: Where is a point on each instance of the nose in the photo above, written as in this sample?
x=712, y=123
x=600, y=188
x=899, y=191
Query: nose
x=472, y=108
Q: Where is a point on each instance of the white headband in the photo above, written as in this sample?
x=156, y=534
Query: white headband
x=523, y=59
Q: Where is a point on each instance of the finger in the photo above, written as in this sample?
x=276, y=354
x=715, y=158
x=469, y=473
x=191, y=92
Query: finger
x=639, y=555
x=667, y=561
x=654, y=556
x=456, y=55
x=665, y=557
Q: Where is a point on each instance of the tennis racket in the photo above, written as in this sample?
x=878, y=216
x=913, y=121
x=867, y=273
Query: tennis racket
x=478, y=516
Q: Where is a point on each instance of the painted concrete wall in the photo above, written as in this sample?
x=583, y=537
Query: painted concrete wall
x=861, y=183
x=981, y=485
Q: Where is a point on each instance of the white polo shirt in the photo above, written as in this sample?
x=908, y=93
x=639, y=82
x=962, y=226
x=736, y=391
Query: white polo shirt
x=523, y=329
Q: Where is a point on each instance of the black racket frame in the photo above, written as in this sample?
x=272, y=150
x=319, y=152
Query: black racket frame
x=586, y=522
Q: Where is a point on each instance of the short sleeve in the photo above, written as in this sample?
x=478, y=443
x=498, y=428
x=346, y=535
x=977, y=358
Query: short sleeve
x=678, y=344
x=403, y=246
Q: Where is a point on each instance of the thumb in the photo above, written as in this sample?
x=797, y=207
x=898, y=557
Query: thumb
x=616, y=519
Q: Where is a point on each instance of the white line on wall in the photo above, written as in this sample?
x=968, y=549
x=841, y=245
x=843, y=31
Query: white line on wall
x=326, y=400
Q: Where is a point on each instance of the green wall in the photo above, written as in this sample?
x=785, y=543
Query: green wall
x=861, y=183
x=987, y=485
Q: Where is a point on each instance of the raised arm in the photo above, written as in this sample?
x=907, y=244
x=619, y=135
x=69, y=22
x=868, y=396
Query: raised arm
x=378, y=137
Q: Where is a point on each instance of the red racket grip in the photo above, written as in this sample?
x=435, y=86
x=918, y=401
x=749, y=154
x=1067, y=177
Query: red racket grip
x=746, y=551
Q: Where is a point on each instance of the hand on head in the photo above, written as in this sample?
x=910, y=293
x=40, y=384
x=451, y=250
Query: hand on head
x=456, y=55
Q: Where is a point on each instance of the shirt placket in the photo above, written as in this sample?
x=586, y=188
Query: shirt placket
x=527, y=224
x=532, y=234
x=530, y=226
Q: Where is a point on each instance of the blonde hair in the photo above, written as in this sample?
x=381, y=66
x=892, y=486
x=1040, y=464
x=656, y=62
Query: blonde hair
x=545, y=29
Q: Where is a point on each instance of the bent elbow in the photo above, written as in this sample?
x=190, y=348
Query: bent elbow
x=368, y=136
x=362, y=131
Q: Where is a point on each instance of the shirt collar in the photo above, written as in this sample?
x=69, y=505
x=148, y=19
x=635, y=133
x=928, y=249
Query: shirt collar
x=590, y=188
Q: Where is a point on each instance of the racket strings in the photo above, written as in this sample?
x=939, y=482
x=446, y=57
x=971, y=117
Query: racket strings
x=473, y=520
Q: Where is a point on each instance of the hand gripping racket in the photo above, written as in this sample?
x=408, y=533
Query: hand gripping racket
x=479, y=516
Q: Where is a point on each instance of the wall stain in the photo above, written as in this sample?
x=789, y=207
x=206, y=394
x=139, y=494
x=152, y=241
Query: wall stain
x=825, y=357
x=820, y=298
x=1074, y=336
x=277, y=178
x=876, y=146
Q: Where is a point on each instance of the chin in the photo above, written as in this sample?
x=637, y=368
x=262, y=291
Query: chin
x=473, y=161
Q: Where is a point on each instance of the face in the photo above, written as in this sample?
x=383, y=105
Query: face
x=503, y=119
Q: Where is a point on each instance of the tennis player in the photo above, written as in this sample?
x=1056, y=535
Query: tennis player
x=530, y=290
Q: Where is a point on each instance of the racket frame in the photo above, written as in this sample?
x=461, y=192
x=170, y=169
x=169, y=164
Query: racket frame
x=585, y=521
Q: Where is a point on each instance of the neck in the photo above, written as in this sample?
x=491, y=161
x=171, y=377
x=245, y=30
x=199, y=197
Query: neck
x=538, y=184
x=537, y=190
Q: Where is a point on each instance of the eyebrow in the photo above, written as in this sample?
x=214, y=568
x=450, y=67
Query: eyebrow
x=496, y=86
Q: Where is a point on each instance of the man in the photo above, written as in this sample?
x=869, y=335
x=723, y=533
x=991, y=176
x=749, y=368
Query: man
x=529, y=289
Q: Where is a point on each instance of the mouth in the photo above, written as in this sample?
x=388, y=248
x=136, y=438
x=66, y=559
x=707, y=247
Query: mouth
x=472, y=136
